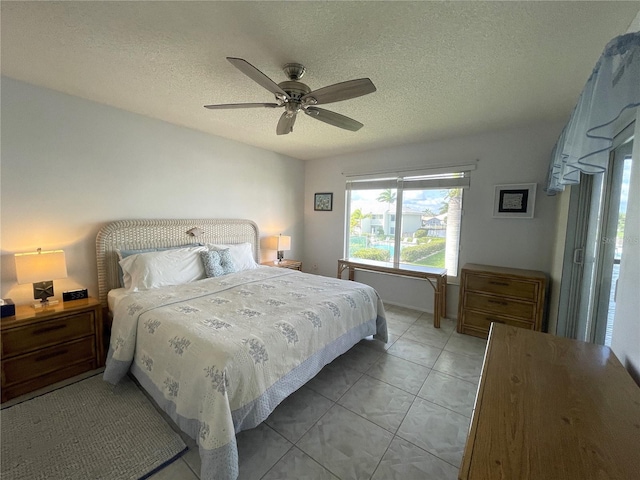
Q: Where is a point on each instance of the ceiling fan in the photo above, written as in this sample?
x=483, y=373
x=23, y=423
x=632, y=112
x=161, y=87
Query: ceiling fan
x=295, y=96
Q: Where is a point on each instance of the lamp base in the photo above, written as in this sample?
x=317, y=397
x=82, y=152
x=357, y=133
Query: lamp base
x=45, y=304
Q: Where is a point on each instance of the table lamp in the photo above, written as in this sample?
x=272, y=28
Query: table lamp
x=41, y=268
x=282, y=243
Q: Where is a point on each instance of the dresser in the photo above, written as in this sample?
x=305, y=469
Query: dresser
x=491, y=294
x=551, y=408
x=44, y=346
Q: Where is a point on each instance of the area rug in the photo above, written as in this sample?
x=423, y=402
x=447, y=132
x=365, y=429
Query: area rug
x=87, y=430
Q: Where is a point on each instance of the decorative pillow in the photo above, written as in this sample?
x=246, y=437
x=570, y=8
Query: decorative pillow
x=211, y=261
x=226, y=260
x=143, y=271
x=241, y=254
x=217, y=262
x=124, y=253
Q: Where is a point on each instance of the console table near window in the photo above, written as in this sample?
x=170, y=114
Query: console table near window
x=436, y=277
x=552, y=408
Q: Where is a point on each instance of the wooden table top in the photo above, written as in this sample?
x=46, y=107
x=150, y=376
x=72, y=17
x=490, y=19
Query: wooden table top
x=403, y=269
x=552, y=408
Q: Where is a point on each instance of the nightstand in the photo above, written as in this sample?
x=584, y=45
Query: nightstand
x=44, y=346
x=292, y=264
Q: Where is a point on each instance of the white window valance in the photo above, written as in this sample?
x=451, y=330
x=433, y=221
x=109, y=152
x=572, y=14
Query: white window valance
x=612, y=91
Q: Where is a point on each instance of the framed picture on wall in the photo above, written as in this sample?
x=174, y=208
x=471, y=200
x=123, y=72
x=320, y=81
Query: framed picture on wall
x=323, y=202
x=514, y=201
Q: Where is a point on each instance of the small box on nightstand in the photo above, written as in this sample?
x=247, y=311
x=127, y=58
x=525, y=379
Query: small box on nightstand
x=8, y=308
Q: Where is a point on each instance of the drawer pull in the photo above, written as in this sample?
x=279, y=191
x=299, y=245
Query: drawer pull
x=502, y=284
x=498, y=302
x=50, y=355
x=494, y=320
x=49, y=329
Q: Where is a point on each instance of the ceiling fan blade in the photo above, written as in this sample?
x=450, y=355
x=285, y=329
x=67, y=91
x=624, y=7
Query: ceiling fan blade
x=340, y=91
x=333, y=118
x=241, y=105
x=285, y=124
x=257, y=76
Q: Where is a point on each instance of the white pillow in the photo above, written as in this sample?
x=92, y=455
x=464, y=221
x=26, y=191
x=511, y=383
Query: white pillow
x=143, y=271
x=241, y=254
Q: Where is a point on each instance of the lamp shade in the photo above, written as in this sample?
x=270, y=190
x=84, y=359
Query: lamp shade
x=40, y=266
x=283, y=242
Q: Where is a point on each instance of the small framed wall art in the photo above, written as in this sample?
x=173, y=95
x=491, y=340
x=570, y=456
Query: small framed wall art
x=514, y=201
x=323, y=202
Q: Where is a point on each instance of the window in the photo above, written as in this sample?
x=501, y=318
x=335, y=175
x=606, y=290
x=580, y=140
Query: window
x=406, y=220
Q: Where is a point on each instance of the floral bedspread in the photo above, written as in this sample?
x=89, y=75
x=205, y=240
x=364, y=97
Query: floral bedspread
x=218, y=355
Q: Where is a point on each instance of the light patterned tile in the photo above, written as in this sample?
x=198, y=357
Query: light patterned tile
x=297, y=465
x=427, y=334
x=259, y=449
x=400, y=373
x=466, y=345
x=359, y=358
x=446, y=324
x=334, y=380
x=436, y=429
x=346, y=444
x=396, y=330
x=402, y=316
x=192, y=458
x=178, y=470
x=378, y=402
x=405, y=461
x=419, y=353
x=461, y=366
x=297, y=414
x=449, y=392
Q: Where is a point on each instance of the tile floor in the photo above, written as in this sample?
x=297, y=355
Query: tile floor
x=379, y=412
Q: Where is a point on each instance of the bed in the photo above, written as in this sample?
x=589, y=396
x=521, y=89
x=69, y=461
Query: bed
x=218, y=354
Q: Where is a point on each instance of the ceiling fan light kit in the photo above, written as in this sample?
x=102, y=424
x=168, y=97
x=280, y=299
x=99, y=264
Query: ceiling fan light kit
x=295, y=96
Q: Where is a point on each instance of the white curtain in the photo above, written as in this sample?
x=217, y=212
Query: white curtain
x=612, y=89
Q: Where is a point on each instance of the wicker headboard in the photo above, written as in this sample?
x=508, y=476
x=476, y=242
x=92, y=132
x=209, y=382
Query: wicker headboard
x=140, y=234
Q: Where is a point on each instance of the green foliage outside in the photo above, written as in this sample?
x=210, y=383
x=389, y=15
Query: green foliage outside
x=372, y=254
x=436, y=260
x=421, y=233
x=621, y=221
x=414, y=254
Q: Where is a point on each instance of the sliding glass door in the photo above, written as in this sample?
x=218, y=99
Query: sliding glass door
x=593, y=249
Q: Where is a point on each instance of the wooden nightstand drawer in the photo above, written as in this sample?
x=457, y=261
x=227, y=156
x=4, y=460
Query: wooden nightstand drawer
x=502, y=286
x=41, y=362
x=44, y=346
x=32, y=337
x=500, y=305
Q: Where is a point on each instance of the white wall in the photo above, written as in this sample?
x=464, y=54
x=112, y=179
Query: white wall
x=625, y=340
x=511, y=156
x=69, y=166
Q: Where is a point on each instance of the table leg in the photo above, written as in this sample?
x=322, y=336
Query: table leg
x=437, y=305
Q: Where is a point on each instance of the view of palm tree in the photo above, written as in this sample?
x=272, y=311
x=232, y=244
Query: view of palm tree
x=387, y=196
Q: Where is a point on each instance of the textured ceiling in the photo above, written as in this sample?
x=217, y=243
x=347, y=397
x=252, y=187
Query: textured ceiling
x=442, y=69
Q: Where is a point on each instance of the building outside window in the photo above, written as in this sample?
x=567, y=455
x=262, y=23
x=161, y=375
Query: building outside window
x=429, y=210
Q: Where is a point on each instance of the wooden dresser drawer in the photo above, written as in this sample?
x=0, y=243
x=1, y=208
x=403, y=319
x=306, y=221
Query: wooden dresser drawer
x=502, y=286
x=500, y=305
x=491, y=294
x=42, y=362
x=32, y=337
x=483, y=321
